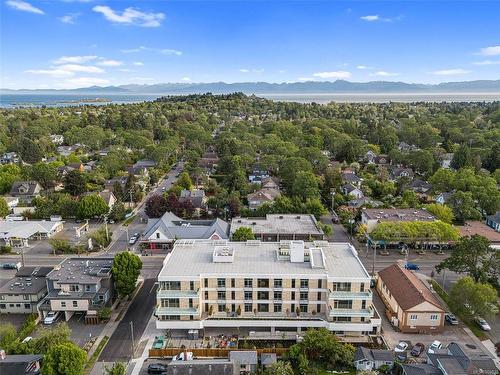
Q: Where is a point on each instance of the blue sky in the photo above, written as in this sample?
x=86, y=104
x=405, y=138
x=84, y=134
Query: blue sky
x=78, y=43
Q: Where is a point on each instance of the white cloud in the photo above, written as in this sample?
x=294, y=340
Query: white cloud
x=339, y=74
x=125, y=70
x=69, y=18
x=23, y=6
x=80, y=68
x=306, y=79
x=167, y=51
x=450, y=72
x=130, y=16
x=164, y=51
x=110, y=63
x=74, y=59
x=258, y=71
x=138, y=63
x=490, y=51
x=487, y=62
x=83, y=82
x=186, y=79
x=382, y=73
x=56, y=73
x=244, y=70
x=371, y=18
x=363, y=67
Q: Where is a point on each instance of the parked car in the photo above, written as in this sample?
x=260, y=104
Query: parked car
x=157, y=368
x=51, y=317
x=401, y=347
x=180, y=357
x=132, y=240
x=483, y=324
x=451, y=319
x=434, y=346
x=335, y=218
x=12, y=266
x=412, y=266
x=417, y=349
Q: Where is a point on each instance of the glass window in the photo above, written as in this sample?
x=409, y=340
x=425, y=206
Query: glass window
x=206, y=283
x=248, y=296
x=292, y=296
x=341, y=287
x=75, y=303
x=171, y=285
x=248, y=307
x=74, y=288
x=303, y=296
x=263, y=307
x=277, y=308
x=221, y=283
x=319, y=296
x=434, y=317
x=413, y=317
x=303, y=308
x=63, y=303
x=248, y=283
x=206, y=294
x=278, y=296
x=278, y=283
x=318, y=308
x=27, y=306
x=320, y=284
x=191, y=285
x=293, y=283
x=262, y=295
x=221, y=295
x=170, y=302
x=342, y=304
x=233, y=295
x=263, y=283
x=304, y=283
x=221, y=307
x=233, y=283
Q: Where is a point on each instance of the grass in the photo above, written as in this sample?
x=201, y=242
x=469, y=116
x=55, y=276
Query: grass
x=92, y=360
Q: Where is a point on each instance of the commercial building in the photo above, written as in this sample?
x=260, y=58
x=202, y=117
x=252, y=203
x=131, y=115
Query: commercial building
x=19, y=233
x=371, y=217
x=271, y=287
x=277, y=227
x=410, y=305
x=81, y=285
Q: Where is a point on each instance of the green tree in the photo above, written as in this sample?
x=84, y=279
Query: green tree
x=289, y=169
x=126, y=269
x=4, y=208
x=184, y=181
x=64, y=359
x=469, y=298
x=8, y=336
x=463, y=206
x=442, y=180
x=462, y=158
x=243, y=234
x=314, y=207
x=279, y=368
x=44, y=173
x=442, y=212
x=156, y=206
x=472, y=256
x=8, y=174
x=117, y=212
x=74, y=183
x=48, y=338
x=305, y=185
x=118, y=368
x=92, y=205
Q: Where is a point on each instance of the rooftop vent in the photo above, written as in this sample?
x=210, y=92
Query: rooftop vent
x=223, y=254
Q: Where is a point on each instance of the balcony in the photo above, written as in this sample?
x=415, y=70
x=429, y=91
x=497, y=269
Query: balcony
x=262, y=316
x=166, y=293
x=176, y=311
x=351, y=295
x=352, y=313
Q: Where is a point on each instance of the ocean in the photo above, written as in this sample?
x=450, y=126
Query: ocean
x=62, y=100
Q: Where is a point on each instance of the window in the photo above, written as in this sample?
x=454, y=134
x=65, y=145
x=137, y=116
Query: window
x=263, y=283
x=278, y=283
x=157, y=235
x=248, y=307
x=25, y=297
x=318, y=308
x=278, y=296
x=63, y=303
x=434, y=317
x=304, y=283
x=190, y=302
x=362, y=287
x=320, y=284
x=2, y=306
x=221, y=307
x=248, y=296
x=233, y=283
x=74, y=288
x=191, y=285
x=319, y=296
x=206, y=283
x=170, y=317
x=293, y=283
x=262, y=295
x=248, y=283
x=171, y=285
x=27, y=306
x=170, y=302
x=88, y=288
x=206, y=307
x=292, y=296
x=206, y=294
x=221, y=295
x=75, y=303
x=341, y=318
x=277, y=308
x=341, y=287
x=304, y=296
x=221, y=283
x=342, y=304
x=303, y=308
x=363, y=304
x=413, y=317
x=233, y=295
x=263, y=307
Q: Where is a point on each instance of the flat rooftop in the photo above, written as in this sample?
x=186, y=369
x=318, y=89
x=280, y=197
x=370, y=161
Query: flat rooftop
x=191, y=259
x=277, y=223
x=24, y=285
x=477, y=227
x=398, y=214
x=81, y=270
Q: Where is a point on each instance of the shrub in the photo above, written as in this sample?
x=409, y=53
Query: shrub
x=5, y=249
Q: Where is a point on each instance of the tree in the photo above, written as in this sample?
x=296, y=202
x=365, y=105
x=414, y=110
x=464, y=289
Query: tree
x=126, y=269
x=156, y=206
x=92, y=205
x=4, y=208
x=463, y=206
x=442, y=212
x=469, y=298
x=117, y=211
x=30, y=151
x=8, y=336
x=74, y=183
x=462, y=158
x=472, y=256
x=243, y=234
x=184, y=181
x=44, y=173
x=118, y=368
x=64, y=359
x=305, y=185
x=279, y=368
x=51, y=337
x=442, y=180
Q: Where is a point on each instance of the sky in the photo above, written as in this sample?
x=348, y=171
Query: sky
x=79, y=43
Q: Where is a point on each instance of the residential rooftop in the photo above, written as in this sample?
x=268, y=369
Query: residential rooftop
x=24, y=285
x=398, y=214
x=81, y=270
x=279, y=223
x=471, y=228
x=194, y=258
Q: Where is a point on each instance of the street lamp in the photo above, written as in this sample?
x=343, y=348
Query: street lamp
x=332, y=193
x=351, y=222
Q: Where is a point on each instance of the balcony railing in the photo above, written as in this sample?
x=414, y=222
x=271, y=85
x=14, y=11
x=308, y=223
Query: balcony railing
x=352, y=313
x=176, y=311
x=263, y=316
x=351, y=295
x=167, y=293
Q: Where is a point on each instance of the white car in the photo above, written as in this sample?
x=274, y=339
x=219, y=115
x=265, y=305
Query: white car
x=401, y=347
x=434, y=346
x=51, y=317
x=132, y=240
x=483, y=324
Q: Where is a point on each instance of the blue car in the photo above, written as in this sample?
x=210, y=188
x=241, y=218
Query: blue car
x=412, y=266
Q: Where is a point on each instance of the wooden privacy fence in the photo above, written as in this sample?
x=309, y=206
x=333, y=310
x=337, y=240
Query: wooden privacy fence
x=212, y=353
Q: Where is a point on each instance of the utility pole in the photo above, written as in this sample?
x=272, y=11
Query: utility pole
x=444, y=276
x=130, y=192
x=106, y=227
x=132, y=336
x=332, y=193
x=22, y=253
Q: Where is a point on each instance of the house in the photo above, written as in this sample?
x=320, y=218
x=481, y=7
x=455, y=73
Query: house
x=20, y=364
x=370, y=157
x=82, y=285
x=140, y=168
x=215, y=366
x=209, y=161
x=444, y=197
x=26, y=191
x=122, y=181
x=68, y=150
x=11, y=201
x=161, y=233
x=420, y=187
x=19, y=233
x=372, y=359
x=23, y=293
x=410, y=305
x=371, y=217
x=471, y=228
x=493, y=221
x=65, y=169
x=258, y=175
x=57, y=139
x=382, y=160
x=364, y=201
x=455, y=362
x=90, y=165
x=262, y=196
x=400, y=172
x=196, y=197
x=272, y=287
x=351, y=190
x=108, y=197
x=9, y=158
x=405, y=147
x=244, y=360
x=419, y=369
x=277, y=227
x=445, y=160
x=270, y=183
x=351, y=178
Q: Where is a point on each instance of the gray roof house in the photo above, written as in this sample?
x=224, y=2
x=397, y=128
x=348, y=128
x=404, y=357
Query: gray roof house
x=419, y=369
x=371, y=359
x=245, y=361
x=351, y=178
x=400, y=172
x=443, y=198
x=364, y=201
x=351, y=190
x=196, y=197
x=493, y=221
x=20, y=364
x=161, y=233
x=26, y=190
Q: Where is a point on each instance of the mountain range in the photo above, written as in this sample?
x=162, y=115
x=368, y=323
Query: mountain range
x=311, y=87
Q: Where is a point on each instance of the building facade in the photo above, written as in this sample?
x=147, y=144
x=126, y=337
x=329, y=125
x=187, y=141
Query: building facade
x=275, y=287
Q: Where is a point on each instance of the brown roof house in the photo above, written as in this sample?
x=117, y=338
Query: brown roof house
x=261, y=196
x=410, y=305
x=26, y=191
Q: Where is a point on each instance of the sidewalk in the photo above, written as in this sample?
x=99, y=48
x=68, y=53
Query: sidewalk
x=135, y=365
